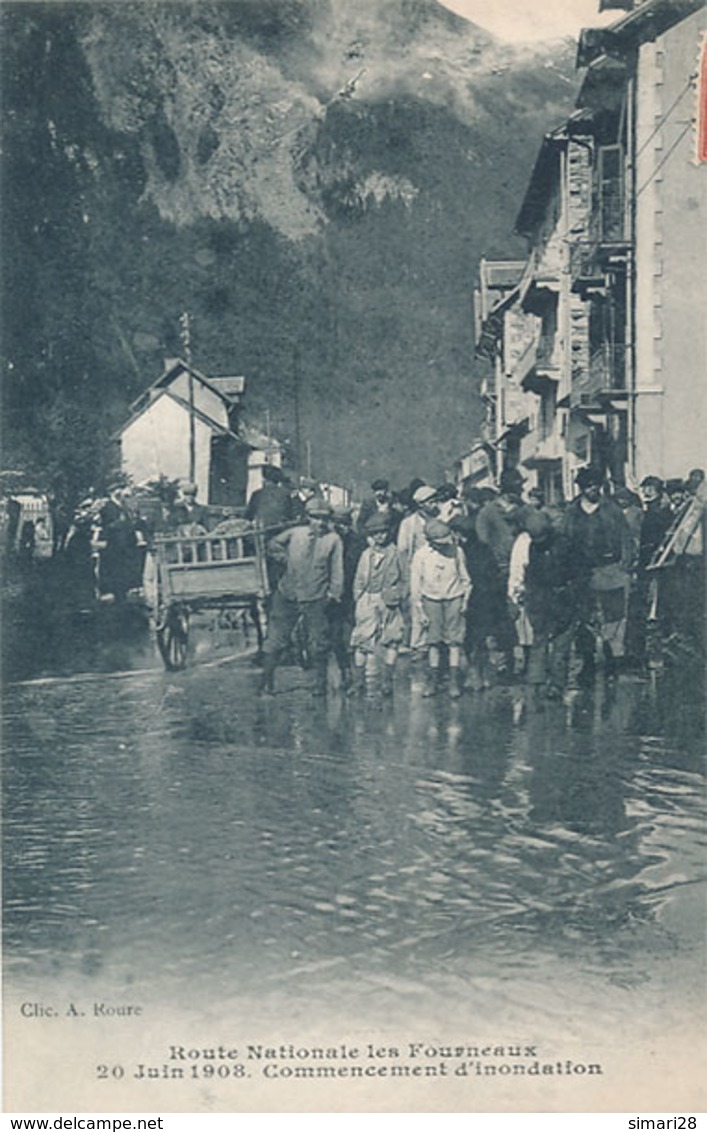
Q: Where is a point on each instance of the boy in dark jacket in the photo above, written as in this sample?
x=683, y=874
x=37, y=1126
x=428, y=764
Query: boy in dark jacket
x=550, y=601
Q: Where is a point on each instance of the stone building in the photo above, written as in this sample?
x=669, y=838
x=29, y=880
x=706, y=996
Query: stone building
x=643, y=272
x=604, y=327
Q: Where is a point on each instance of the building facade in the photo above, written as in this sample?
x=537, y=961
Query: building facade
x=611, y=302
x=183, y=409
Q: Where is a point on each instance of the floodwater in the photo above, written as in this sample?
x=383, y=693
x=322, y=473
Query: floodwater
x=176, y=839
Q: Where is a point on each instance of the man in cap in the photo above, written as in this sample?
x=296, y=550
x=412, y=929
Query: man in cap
x=600, y=544
x=313, y=579
x=440, y=587
x=380, y=502
x=411, y=536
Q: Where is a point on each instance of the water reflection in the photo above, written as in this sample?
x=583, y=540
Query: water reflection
x=176, y=830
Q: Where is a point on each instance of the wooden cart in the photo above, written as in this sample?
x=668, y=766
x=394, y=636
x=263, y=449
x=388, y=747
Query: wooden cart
x=208, y=571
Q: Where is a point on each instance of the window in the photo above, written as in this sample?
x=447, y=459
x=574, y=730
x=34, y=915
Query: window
x=611, y=193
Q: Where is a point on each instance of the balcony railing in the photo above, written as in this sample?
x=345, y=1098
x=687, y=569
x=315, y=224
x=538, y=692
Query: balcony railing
x=607, y=369
x=608, y=222
x=592, y=260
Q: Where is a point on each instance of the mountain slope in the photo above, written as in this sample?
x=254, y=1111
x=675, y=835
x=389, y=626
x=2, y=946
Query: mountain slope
x=314, y=182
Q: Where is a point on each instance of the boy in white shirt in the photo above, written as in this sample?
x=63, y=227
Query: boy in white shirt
x=440, y=587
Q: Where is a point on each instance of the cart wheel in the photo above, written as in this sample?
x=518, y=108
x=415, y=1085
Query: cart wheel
x=173, y=639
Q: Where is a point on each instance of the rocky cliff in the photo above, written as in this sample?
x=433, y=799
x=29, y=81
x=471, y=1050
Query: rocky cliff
x=314, y=181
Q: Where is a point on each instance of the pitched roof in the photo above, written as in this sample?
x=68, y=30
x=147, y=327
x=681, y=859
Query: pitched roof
x=645, y=22
x=144, y=403
x=224, y=387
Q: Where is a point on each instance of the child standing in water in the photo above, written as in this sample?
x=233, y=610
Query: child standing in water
x=440, y=588
x=378, y=594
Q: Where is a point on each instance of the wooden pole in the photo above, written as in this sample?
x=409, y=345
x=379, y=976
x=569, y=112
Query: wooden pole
x=296, y=401
x=186, y=339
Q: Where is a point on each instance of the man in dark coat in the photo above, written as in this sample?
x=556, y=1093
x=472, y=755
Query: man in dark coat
x=271, y=505
x=196, y=514
x=600, y=544
x=379, y=503
x=497, y=525
x=498, y=521
x=655, y=520
x=341, y=614
x=551, y=603
x=117, y=549
x=487, y=605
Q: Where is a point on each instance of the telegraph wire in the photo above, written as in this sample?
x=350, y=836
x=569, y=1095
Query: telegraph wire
x=664, y=118
x=662, y=162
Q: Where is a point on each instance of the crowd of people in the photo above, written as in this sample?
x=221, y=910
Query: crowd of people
x=481, y=584
x=476, y=585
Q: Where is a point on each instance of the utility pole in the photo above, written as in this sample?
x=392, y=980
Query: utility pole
x=186, y=340
x=309, y=459
x=296, y=400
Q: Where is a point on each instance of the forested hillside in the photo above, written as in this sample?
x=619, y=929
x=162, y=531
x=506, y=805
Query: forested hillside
x=313, y=180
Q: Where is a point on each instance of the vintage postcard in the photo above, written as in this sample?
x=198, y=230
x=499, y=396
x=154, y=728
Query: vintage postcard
x=353, y=524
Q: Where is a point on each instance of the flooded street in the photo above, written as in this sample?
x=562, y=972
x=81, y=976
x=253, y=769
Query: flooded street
x=174, y=839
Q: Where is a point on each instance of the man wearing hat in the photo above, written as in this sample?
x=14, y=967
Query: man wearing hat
x=600, y=544
x=271, y=505
x=307, y=488
x=196, y=514
x=488, y=602
x=497, y=525
x=313, y=579
x=498, y=521
x=378, y=594
x=448, y=502
x=440, y=588
x=656, y=519
x=694, y=482
x=341, y=614
x=411, y=536
x=380, y=502
x=677, y=497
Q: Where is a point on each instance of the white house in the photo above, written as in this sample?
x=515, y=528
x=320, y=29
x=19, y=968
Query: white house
x=156, y=440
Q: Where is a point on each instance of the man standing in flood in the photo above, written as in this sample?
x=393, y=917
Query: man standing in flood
x=313, y=580
x=600, y=546
x=497, y=525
